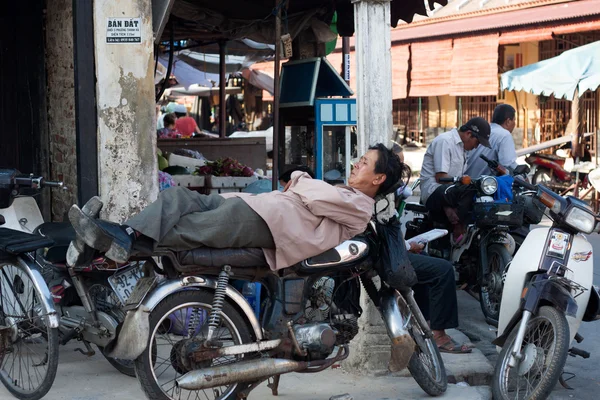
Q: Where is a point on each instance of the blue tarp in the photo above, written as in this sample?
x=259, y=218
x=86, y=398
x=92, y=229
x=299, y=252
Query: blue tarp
x=560, y=75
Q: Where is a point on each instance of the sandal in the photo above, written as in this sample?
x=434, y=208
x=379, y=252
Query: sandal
x=450, y=346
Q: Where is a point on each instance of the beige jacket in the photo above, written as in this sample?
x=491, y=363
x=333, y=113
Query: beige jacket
x=310, y=218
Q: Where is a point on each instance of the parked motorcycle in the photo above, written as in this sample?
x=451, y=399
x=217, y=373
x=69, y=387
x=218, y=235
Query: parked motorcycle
x=549, y=170
x=480, y=259
x=44, y=303
x=194, y=336
x=548, y=292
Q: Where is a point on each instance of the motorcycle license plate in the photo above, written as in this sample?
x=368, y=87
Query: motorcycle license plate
x=124, y=281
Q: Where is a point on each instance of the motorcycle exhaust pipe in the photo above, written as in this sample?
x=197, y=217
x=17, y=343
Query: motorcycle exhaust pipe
x=244, y=371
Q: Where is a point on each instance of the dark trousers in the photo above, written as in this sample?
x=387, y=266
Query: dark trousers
x=436, y=291
x=459, y=197
x=181, y=219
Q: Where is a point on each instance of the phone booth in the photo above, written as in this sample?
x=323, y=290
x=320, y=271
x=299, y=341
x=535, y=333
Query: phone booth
x=319, y=125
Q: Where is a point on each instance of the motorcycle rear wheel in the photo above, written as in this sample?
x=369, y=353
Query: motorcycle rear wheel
x=28, y=346
x=153, y=367
x=545, y=358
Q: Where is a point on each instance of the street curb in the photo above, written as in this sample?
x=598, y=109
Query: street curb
x=473, y=368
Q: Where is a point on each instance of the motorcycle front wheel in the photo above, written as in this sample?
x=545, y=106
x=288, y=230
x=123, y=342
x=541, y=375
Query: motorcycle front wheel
x=180, y=317
x=28, y=346
x=544, y=350
x=426, y=365
x=490, y=290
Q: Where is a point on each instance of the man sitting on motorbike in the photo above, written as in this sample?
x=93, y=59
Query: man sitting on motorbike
x=435, y=291
x=445, y=158
x=307, y=218
x=501, y=140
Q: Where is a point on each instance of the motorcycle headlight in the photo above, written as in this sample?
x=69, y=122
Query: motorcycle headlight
x=581, y=220
x=489, y=185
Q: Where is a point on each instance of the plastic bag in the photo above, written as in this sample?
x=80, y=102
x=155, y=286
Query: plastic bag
x=394, y=267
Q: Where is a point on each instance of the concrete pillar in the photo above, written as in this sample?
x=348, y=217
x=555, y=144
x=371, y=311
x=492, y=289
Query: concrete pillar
x=127, y=165
x=370, y=350
x=373, y=72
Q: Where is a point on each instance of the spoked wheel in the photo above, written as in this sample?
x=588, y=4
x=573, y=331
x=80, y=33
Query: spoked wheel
x=544, y=352
x=177, y=319
x=106, y=301
x=426, y=365
x=490, y=292
x=28, y=346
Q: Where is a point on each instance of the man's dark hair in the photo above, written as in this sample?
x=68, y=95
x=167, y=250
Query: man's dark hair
x=169, y=119
x=502, y=112
x=287, y=175
x=180, y=115
x=388, y=163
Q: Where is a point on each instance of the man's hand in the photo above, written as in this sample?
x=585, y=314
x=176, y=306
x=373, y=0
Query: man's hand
x=416, y=247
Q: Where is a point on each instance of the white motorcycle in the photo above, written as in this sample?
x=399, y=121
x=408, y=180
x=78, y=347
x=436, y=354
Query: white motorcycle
x=547, y=293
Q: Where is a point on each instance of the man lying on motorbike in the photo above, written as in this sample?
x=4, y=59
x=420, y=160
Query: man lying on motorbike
x=445, y=158
x=308, y=218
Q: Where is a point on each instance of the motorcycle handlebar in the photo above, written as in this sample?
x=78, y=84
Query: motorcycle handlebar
x=447, y=180
x=524, y=184
x=37, y=182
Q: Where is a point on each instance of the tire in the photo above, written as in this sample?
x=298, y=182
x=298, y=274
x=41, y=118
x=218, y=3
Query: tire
x=490, y=294
x=31, y=340
x=159, y=319
x=542, y=175
x=106, y=301
x=549, y=378
x=426, y=365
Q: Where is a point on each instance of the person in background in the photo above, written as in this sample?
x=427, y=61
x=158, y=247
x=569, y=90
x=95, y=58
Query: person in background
x=501, y=142
x=169, y=131
x=445, y=158
x=185, y=124
x=168, y=109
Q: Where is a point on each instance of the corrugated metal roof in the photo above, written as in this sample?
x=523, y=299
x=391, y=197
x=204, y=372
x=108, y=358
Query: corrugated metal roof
x=490, y=22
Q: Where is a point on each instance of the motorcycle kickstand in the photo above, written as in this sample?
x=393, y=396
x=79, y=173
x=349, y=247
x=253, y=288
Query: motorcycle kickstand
x=274, y=386
x=90, y=352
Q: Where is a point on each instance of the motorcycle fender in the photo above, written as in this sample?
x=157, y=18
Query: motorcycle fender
x=132, y=338
x=592, y=311
x=549, y=292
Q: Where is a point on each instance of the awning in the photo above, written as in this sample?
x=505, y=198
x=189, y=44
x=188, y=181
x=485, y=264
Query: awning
x=303, y=81
x=533, y=17
x=432, y=75
x=538, y=34
x=474, y=70
x=578, y=68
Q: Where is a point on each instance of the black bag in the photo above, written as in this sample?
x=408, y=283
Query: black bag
x=394, y=267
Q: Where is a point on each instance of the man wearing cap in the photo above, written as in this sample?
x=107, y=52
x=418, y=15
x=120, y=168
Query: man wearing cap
x=185, y=124
x=501, y=140
x=446, y=158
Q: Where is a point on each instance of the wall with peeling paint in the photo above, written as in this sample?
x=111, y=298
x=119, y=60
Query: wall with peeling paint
x=61, y=104
x=127, y=166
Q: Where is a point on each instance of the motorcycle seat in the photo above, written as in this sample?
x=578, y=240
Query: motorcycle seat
x=210, y=257
x=552, y=157
x=61, y=233
x=416, y=207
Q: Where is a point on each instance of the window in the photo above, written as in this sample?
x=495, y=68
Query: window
x=475, y=106
x=410, y=120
